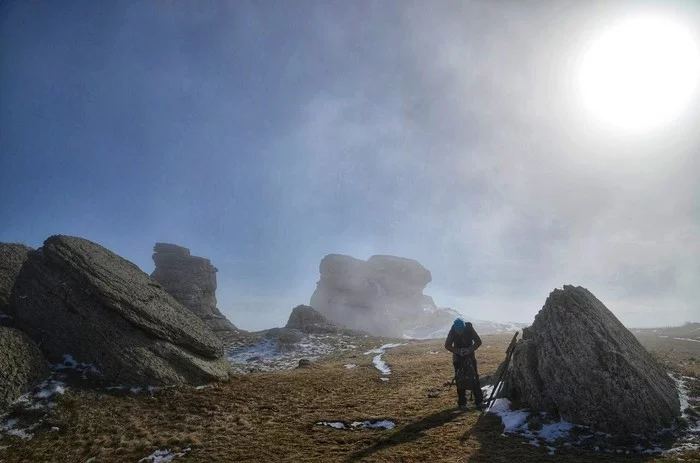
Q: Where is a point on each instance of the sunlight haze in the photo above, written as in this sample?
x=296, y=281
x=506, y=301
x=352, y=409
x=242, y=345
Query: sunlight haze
x=510, y=147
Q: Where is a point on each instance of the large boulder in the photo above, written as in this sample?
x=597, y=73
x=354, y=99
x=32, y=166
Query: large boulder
x=192, y=281
x=12, y=257
x=579, y=362
x=377, y=295
x=309, y=320
x=79, y=298
x=21, y=363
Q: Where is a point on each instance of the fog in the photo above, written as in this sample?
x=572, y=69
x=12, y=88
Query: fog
x=265, y=135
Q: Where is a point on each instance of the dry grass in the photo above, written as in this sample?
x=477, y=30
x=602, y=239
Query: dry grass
x=272, y=416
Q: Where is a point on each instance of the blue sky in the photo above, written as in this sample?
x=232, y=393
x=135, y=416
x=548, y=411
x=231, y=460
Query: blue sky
x=265, y=135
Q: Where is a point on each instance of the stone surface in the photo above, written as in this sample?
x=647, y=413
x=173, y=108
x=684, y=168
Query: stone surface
x=309, y=320
x=377, y=295
x=192, y=281
x=579, y=362
x=78, y=298
x=12, y=257
x=21, y=363
x=304, y=363
x=285, y=335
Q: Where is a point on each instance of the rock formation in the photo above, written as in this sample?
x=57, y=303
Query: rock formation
x=376, y=295
x=79, y=298
x=309, y=320
x=579, y=362
x=12, y=257
x=21, y=364
x=285, y=336
x=192, y=281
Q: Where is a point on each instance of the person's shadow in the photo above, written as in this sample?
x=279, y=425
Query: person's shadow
x=408, y=433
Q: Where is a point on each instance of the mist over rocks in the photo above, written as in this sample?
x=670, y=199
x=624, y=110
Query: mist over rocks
x=191, y=280
x=21, y=363
x=377, y=295
x=579, y=362
x=76, y=297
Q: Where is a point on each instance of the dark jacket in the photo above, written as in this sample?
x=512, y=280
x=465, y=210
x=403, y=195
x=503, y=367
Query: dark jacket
x=467, y=340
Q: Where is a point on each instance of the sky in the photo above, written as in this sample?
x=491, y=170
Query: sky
x=265, y=135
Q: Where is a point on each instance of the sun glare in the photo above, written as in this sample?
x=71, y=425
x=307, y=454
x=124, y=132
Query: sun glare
x=640, y=74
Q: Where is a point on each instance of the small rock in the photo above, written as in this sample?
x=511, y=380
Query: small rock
x=285, y=335
x=303, y=363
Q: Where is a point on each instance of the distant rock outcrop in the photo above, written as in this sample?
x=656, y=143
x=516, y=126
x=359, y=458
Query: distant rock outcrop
x=376, y=295
x=21, y=364
x=579, y=362
x=192, y=281
x=309, y=320
x=79, y=298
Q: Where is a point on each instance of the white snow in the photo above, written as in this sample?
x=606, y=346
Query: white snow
x=269, y=355
x=332, y=424
x=554, y=431
x=377, y=360
x=383, y=424
x=516, y=422
x=49, y=388
x=686, y=339
x=350, y=366
x=513, y=421
x=164, y=456
x=8, y=428
x=69, y=363
x=381, y=365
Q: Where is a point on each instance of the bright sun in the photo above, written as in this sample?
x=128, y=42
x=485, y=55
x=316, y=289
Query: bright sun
x=640, y=74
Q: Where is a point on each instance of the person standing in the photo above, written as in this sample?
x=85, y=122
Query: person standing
x=463, y=341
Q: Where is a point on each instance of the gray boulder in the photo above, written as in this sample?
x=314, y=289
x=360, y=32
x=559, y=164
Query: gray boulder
x=579, y=362
x=286, y=336
x=21, y=363
x=309, y=320
x=12, y=257
x=378, y=295
x=191, y=280
x=81, y=299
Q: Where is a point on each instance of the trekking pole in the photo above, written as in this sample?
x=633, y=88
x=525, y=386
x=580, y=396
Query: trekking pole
x=509, y=354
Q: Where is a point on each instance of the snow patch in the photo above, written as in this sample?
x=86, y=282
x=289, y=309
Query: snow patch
x=686, y=339
x=377, y=360
x=267, y=355
x=350, y=366
x=49, y=388
x=559, y=434
x=69, y=363
x=368, y=424
x=164, y=456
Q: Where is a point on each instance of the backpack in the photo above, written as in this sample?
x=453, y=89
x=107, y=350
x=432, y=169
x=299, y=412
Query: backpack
x=465, y=376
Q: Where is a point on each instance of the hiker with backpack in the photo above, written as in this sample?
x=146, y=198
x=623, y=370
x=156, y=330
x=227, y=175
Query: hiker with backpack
x=462, y=341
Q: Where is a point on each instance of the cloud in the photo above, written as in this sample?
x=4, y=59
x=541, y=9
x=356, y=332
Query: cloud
x=480, y=164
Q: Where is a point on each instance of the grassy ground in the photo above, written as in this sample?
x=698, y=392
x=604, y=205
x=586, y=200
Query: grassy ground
x=273, y=416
